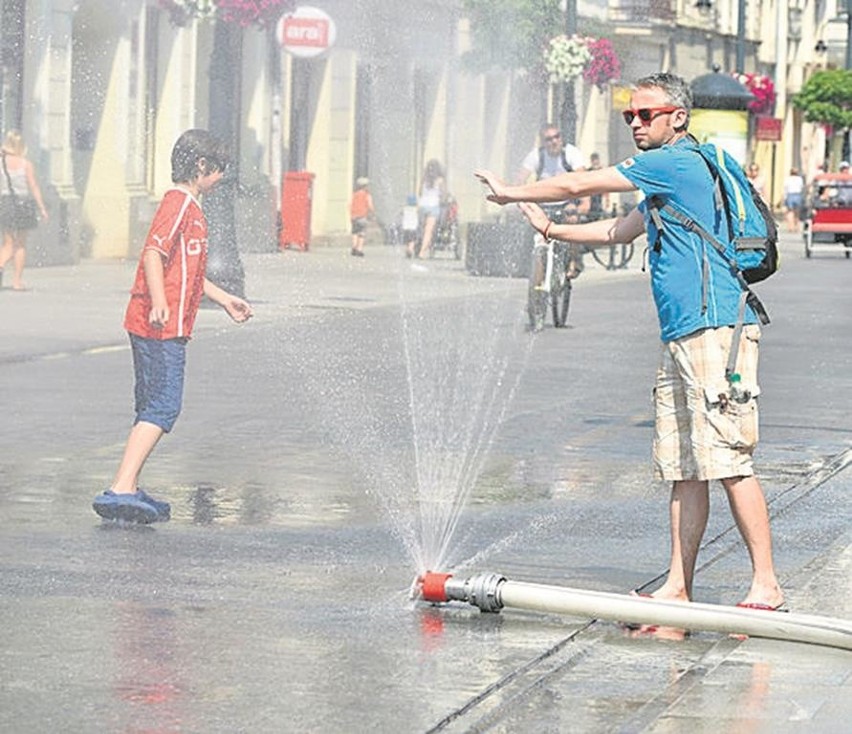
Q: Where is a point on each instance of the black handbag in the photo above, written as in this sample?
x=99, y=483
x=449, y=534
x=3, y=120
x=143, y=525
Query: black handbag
x=16, y=213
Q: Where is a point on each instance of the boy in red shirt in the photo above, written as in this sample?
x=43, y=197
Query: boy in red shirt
x=164, y=300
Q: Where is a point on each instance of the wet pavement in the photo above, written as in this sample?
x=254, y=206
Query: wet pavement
x=277, y=597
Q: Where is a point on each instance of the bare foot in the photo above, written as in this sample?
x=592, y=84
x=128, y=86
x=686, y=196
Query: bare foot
x=660, y=632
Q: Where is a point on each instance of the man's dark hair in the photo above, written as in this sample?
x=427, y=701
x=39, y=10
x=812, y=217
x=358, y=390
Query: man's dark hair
x=193, y=147
x=676, y=88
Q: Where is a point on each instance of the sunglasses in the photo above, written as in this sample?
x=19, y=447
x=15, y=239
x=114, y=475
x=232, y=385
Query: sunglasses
x=647, y=114
x=551, y=138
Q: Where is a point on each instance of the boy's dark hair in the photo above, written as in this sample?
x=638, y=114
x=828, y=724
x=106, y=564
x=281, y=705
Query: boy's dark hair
x=193, y=147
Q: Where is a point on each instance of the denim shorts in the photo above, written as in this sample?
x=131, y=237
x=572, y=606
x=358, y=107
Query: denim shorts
x=159, y=368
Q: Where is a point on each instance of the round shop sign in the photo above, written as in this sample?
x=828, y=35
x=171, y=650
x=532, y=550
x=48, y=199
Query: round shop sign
x=307, y=31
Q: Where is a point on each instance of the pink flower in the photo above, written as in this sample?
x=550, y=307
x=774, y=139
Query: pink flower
x=763, y=90
x=604, y=65
x=246, y=12
x=242, y=12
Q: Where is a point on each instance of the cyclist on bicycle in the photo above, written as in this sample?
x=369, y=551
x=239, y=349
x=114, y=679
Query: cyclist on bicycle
x=552, y=158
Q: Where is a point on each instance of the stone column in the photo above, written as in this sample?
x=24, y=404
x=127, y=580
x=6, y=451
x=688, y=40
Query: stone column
x=46, y=128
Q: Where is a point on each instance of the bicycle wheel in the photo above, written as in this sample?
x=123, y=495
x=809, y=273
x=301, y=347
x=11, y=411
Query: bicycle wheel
x=536, y=292
x=614, y=257
x=604, y=256
x=560, y=289
x=455, y=241
x=560, y=301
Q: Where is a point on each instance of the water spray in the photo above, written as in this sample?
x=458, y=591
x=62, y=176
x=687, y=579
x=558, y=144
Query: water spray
x=491, y=592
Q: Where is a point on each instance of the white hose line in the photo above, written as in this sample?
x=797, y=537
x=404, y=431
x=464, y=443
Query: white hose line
x=693, y=616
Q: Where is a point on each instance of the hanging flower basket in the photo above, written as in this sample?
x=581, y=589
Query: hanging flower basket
x=182, y=11
x=242, y=12
x=763, y=90
x=604, y=66
x=253, y=12
x=565, y=58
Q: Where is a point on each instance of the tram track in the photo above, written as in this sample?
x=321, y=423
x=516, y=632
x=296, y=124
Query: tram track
x=588, y=644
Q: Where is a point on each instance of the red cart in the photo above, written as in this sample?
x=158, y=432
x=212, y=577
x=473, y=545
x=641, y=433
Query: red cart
x=828, y=214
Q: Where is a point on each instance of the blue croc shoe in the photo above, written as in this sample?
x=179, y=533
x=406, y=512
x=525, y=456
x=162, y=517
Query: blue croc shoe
x=164, y=509
x=124, y=507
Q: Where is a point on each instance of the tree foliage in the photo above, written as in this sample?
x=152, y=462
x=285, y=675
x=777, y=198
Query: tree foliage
x=827, y=98
x=511, y=34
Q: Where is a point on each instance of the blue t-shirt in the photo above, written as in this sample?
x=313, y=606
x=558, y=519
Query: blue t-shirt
x=693, y=285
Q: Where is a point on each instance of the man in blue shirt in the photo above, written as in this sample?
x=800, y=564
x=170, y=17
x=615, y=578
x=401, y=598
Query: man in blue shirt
x=704, y=430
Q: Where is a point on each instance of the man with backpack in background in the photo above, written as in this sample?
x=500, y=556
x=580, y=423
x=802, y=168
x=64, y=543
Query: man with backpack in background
x=706, y=385
x=553, y=157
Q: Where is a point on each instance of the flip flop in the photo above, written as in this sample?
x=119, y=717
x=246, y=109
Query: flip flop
x=634, y=626
x=760, y=606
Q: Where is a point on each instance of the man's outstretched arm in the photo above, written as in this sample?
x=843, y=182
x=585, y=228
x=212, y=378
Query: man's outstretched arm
x=573, y=185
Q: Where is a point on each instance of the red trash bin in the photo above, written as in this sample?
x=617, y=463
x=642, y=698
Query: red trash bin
x=296, y=195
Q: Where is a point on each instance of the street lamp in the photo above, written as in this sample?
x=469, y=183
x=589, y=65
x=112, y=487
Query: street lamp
x=706, y=5
x=794, y=23
x=849, y=34
x=568, y=123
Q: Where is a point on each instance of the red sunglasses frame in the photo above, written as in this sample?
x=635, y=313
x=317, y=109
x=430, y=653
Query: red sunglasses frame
x=647, y=115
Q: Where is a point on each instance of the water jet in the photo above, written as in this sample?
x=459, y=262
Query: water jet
x=491, y=592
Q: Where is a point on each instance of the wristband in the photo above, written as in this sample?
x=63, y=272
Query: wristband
x=546, y=229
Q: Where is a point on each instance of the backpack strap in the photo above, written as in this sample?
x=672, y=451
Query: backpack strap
x=747, y=296
x=8, y=177
x=655, y=204
x=565, y=165
x=721, y=200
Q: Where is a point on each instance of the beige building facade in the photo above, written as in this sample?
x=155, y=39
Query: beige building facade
x=102, y=88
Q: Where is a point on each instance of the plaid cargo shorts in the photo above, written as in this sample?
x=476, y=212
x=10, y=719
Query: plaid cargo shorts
x=701, y=432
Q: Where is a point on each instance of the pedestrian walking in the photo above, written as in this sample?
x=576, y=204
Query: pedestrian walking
x=21, y=205
x=170, y=282
x=433, y=190
x=410, y=225
x=756, y=179
x=361, y=210
x=699, y=434
x=794, y=186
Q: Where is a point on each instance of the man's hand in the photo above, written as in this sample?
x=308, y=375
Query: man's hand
x=497, y=186
x=238, y=309
x=535, y=215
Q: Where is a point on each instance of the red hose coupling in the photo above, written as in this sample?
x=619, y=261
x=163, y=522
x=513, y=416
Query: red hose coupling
x=433, y=586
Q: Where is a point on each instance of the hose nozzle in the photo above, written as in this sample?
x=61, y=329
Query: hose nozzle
x=481, y=591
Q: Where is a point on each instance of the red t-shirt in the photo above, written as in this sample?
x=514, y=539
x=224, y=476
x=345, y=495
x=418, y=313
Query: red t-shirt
x=179, y=234
x=360, y=205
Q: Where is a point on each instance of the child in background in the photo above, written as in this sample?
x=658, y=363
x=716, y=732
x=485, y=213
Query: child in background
x=410, y=225
x=164, y=300
x=360, y=210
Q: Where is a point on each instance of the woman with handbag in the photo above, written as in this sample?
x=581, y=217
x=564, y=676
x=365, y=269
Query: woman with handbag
x=20, y=204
